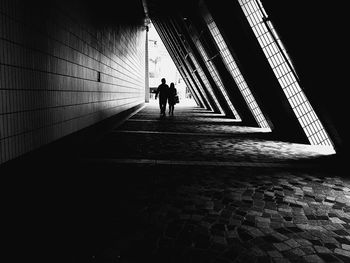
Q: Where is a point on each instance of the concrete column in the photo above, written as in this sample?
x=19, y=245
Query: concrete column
x=146, y=68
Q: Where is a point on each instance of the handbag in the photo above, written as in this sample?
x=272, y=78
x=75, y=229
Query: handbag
x=176, y=99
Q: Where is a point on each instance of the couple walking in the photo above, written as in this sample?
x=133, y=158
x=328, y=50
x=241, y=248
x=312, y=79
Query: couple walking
x=166, y=93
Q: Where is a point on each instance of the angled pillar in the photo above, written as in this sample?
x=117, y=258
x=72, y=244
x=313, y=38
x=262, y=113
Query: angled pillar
x=232, y=66
x=208, y=59
x=202, y=77
x=187, y=59
x=146, y=68
x=209, y=46
x=258, y=73
x=202, y=67
x=317, y=48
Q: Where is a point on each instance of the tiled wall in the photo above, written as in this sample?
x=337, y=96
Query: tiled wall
x=59, y=74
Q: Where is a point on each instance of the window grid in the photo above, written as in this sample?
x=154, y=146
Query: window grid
x=312, y=126
x=205, y=81
x=236, y=74
x=215, y=76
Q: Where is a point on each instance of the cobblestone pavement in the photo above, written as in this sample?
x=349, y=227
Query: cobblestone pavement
x=202, y=212
x=250, y=215
x=194, y=187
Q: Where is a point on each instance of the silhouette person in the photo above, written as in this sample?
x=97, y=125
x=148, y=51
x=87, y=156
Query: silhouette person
x=171, y=98
x=162, y=92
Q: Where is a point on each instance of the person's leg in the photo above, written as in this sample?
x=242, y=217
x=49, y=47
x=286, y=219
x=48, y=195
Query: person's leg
x=165, y=102
x=163, y=107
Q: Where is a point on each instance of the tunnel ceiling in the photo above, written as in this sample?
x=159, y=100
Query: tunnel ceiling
x=109, y=12
x=158, y=8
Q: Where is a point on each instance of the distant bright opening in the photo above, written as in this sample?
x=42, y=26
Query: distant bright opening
x=161, y=66
x=236, y=74
x=284, y=71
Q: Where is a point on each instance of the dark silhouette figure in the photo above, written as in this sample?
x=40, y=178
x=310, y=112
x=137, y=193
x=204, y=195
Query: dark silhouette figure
x=171, y=98
x=162, y=92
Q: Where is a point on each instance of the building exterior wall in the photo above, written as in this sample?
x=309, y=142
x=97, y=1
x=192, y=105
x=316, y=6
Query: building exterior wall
x=59, y=73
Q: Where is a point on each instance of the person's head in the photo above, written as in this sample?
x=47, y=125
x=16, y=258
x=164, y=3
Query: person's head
x=172, y=85
x=163, y=80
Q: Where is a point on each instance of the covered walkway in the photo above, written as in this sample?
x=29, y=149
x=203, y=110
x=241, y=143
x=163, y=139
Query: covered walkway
x=193, y=187
x=252, y=170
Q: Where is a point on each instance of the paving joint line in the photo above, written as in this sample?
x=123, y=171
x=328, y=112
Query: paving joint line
x=232, y=134
x=199, y=163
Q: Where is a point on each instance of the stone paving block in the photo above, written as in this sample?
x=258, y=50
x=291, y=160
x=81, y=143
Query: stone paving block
x=345, y=246
x=290, y=225
x=332, y=246
x=279, y=236
x=341, y=232
x=219, y=240
x=256, y=233
x=258, y=252
x=232, y=234
x=255, y=213
x=313, y=259
x=269, y=211
x=260, y=219
x=308, y=250
x=329, y=258
x=321, y=249
x=276, y=224
x=292, y=243
x=281, y=260
x=235, y=222
x=297, y=252
x=274, y=254
x=246, y=258
x=336, y=220
x=281, y=246
x=285, y=209
x=244, y=235
x=342, y=252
